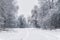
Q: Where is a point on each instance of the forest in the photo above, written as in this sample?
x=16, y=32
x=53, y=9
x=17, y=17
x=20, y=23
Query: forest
x=45, y=16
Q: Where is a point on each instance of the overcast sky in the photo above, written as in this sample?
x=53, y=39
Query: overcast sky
x=25, y=6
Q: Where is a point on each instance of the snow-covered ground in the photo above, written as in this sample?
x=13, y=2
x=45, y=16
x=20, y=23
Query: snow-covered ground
x=30, y=34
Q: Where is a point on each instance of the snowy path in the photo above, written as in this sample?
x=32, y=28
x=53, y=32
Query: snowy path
x=30, y=34
x=44, y=35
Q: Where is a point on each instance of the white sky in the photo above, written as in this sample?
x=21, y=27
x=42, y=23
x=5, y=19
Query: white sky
x=25, y=6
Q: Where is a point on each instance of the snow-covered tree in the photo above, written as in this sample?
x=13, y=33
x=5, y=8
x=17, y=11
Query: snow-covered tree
x=22, y=22
x=35, y=16
x=46, y=14
x=7, y=11
x=55, y=19
x=47, y=9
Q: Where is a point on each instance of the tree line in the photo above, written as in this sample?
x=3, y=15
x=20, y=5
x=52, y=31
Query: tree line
x=46, y=15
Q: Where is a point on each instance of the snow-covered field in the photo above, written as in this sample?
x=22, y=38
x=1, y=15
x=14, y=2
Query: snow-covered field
x=30, y=34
